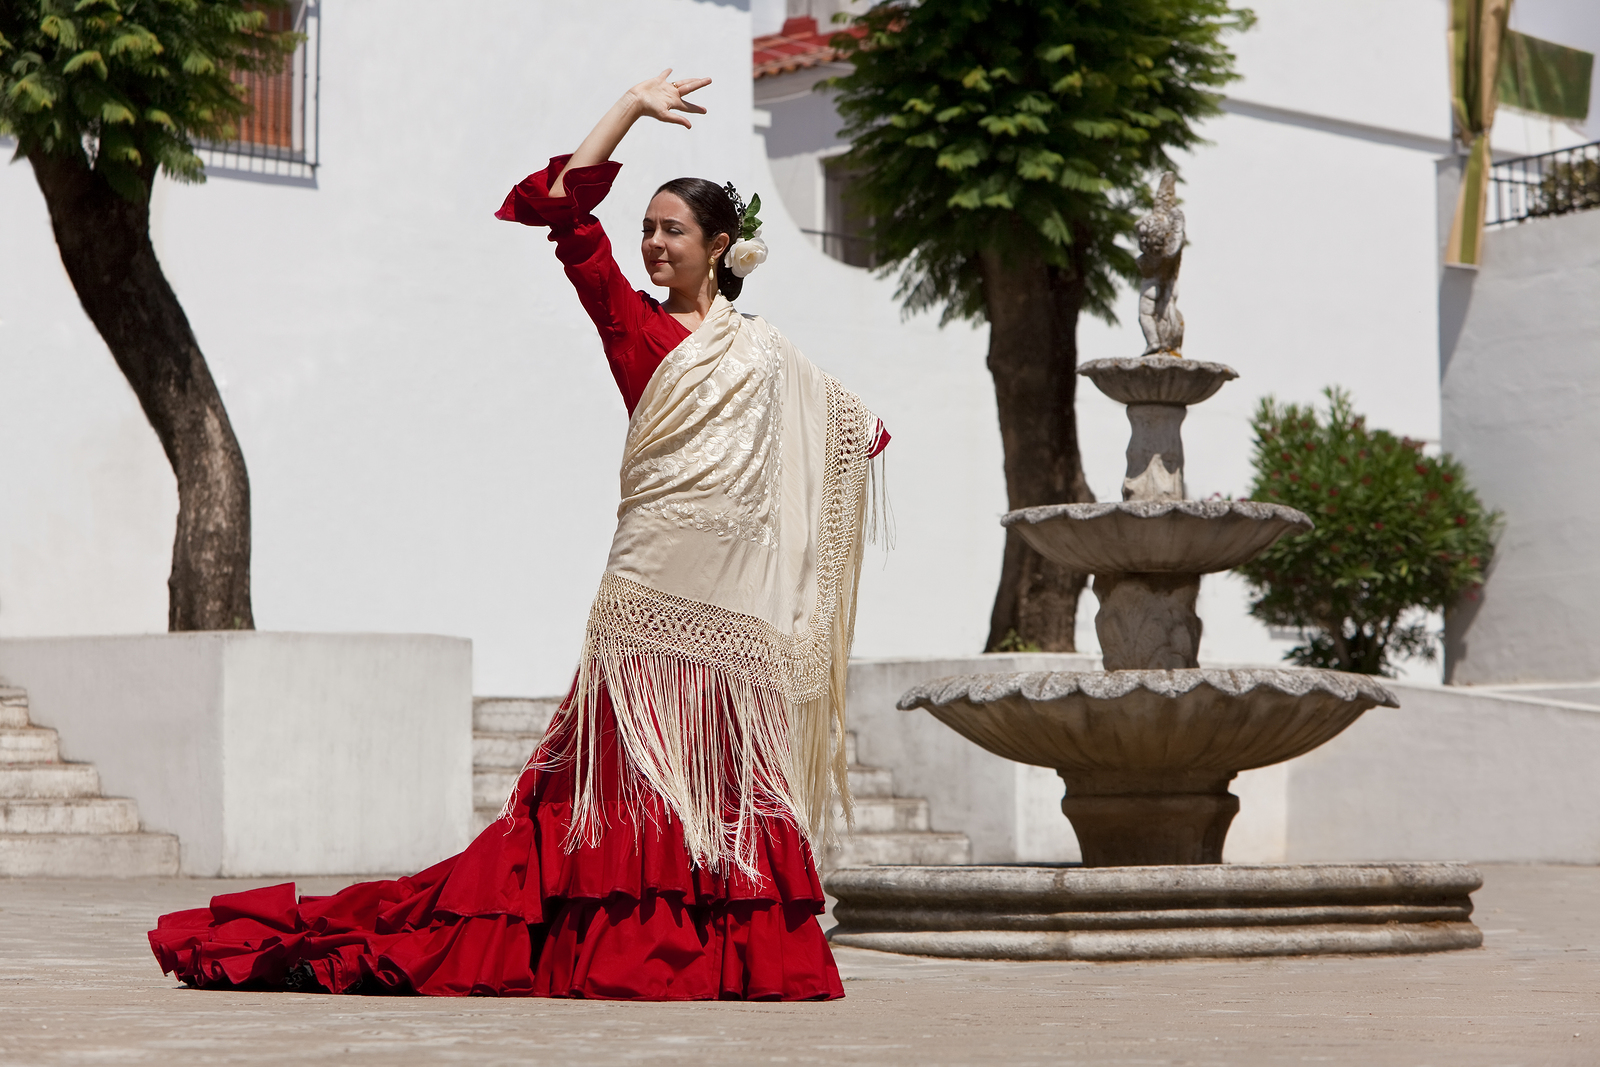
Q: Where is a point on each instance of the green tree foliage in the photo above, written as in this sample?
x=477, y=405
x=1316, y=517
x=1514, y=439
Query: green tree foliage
x=1003, y=148
x=1022, y=125
x=1398, y=534
x=128, y=86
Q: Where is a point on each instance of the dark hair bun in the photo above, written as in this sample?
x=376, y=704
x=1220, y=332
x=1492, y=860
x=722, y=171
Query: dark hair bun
x=714, y=210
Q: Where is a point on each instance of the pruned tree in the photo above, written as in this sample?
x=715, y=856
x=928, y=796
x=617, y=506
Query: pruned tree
x=101, y=95
x=1004, y=148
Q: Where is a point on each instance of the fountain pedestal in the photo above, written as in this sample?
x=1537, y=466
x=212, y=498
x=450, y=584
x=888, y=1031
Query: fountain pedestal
x=1149, y=823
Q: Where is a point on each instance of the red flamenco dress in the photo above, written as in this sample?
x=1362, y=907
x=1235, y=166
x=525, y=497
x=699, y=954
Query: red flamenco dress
x=519, y=913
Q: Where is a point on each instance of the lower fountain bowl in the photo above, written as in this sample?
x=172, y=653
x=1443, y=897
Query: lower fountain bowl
x=1188, y=727
x=1140, y=913
x=1147, y=755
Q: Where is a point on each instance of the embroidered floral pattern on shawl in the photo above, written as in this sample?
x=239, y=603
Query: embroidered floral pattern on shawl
x=722, y=626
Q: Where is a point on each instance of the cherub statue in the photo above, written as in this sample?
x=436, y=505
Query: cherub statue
x=1160, y=253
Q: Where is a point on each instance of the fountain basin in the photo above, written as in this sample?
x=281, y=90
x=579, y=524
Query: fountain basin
x=1127, y=913
x=1157, y=379
x=1155, y=536
x=1196, y=723
x=1147, y=755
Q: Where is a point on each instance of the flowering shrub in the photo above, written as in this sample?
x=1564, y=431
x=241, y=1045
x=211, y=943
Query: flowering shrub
x=1398, y=534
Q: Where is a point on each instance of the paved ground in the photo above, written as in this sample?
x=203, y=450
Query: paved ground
x=78, y=986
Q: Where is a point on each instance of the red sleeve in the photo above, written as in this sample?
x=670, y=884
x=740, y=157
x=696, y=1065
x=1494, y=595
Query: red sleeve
x=620, y=312
x=531, y=204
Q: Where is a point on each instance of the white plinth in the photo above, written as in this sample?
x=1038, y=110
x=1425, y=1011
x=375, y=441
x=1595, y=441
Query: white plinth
x=270, y=753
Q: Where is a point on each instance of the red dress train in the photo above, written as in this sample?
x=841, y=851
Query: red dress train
x=630, y=918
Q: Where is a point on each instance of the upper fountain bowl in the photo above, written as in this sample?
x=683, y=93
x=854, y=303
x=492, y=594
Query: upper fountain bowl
x=1157, y=379
x=1155, y=536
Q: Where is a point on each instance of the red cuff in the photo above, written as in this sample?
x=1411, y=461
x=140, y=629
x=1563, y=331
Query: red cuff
x=881, y=443
x=531, y=204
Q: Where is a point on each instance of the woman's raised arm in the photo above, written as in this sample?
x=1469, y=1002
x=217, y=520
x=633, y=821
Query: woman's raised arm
x=658, y=98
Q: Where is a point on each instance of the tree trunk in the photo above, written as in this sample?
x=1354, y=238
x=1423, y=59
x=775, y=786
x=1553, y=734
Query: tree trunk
x=105, y=246
x=1033, y=357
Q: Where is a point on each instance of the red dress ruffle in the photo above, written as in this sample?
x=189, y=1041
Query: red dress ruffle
x=629, y=917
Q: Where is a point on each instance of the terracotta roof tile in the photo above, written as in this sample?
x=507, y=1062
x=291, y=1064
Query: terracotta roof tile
x=797, y=46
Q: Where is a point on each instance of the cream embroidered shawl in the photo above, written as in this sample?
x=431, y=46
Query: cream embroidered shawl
x=723, y=624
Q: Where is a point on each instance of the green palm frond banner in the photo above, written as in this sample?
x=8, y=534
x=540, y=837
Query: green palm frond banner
x=1476, y=30
x=1544, y=77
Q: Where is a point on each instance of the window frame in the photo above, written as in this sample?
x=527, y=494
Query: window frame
x=297, y=161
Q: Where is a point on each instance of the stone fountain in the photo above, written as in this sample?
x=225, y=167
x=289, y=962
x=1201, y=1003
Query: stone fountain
x=1148, y=746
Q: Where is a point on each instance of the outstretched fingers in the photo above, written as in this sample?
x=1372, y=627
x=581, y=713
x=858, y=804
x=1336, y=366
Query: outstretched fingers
x=683, y=89
x=689, y=85
x=659, y=98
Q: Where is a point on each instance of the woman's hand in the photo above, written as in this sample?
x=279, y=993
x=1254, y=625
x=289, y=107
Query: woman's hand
x=659, y=98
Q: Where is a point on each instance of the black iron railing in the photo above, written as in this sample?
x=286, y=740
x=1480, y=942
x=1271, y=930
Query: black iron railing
x=845, y=247
x=1554, y=183
x=281, y=137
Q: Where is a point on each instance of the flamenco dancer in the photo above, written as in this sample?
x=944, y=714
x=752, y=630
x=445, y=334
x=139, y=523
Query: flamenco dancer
x=662, y=842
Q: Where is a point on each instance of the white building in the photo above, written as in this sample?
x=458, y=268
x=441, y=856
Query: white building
x=431, y=431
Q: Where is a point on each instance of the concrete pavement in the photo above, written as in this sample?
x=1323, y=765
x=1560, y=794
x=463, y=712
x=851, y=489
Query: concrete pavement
x=78, y=986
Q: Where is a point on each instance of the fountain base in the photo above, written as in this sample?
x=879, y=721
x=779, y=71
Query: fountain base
x=1167, y=912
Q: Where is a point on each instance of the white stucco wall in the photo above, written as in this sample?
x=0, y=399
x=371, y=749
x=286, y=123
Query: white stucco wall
x=430, y=427
x=1521, y=392
x=431, y=430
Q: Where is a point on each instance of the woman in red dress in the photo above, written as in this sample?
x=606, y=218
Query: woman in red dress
x=661, y=844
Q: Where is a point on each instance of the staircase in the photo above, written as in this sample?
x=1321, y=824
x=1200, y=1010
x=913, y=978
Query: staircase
x=53, y=820
x=505, y=731
x=889, y=829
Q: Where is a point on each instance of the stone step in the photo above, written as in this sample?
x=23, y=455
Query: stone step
x=70, y=815
x=88, y=855
x=13, y=713
x=883, y=815
x=850, y=748
x=513, y=715
x=871, y=782
x=481, y=818
x=490, y=788
x=503, y=751
x=870, y=850
x=24, y=781
x=29, y=744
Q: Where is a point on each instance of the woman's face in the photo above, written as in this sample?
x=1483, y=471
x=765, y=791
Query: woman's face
x=674, y=246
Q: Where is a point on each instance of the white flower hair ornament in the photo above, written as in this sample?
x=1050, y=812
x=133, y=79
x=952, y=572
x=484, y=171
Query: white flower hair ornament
x=749, y=251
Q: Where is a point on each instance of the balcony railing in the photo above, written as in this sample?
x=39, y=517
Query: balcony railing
x=845, y=247
x=279, y=140
x=1554, y=183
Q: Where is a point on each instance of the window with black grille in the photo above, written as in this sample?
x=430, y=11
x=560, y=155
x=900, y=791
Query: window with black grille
x=278, y=139
x=844, y=232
